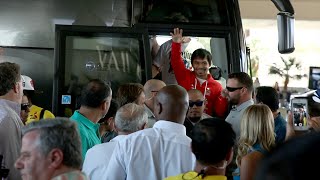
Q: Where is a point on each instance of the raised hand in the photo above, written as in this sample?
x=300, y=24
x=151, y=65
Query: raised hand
x=177, y=35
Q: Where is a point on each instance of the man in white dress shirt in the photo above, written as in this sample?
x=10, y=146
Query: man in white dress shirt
x=129, y=118
x=157, y=152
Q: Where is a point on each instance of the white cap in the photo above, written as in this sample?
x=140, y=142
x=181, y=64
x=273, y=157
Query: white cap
x=27, y=83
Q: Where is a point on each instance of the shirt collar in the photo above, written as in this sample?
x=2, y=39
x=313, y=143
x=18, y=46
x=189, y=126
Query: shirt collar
x=85, y=121
x=118, y=138
x=15, y=106
x=243, y=105
x=174, y=127
x=148, y=110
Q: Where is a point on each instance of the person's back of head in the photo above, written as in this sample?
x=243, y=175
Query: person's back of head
x=212, y=141
x=269, y=96
x=292, y=160
x=152, y=86
x=243, y=79
x=257, y=127
x=130, y=118
x=95, y=93
x=9, y=77
x=61, y=134
x=129, y=93
x=171, y=104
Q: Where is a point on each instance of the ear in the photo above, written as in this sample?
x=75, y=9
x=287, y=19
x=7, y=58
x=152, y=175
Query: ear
x=55, y=157
x=229, y=156
x=104, y=105
x=144, y=126
x=158, y=108
x=111, y=123
x=16, y=87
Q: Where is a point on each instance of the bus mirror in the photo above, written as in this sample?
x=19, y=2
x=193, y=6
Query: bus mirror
x=285, y=32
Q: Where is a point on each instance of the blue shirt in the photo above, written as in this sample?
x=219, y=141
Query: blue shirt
x=89, y=132
x=280, y=128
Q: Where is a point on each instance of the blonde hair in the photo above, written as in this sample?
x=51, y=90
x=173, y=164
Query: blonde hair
x=257, y=127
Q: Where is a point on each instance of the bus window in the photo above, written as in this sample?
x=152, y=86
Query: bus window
x=188, y=11
x=216, y=46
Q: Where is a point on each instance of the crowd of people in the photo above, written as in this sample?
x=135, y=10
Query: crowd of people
x=157, y=130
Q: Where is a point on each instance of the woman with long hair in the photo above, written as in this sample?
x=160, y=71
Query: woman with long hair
x=256, y=139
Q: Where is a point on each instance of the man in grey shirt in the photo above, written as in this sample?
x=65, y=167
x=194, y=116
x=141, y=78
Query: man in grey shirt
x=239, y=94
x=11, y=92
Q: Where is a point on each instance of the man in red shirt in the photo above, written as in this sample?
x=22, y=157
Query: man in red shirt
x=199, y=78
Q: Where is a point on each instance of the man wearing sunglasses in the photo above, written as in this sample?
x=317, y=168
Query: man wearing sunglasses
x=199, y=78
x=25, y=109
x=239, y=94
x=196, y=110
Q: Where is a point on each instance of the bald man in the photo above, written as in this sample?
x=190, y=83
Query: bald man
x=151, y=88
x=157, y=152
x=196, y=109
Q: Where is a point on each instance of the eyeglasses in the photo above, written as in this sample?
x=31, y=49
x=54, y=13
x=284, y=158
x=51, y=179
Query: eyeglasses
x=197, y=103
x=231, y=89
x=25, y=106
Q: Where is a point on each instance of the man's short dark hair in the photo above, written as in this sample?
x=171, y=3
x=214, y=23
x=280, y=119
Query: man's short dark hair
x=243, y=78
x=212, y=140
x=268, y=96
x=201, y=53
x=9, y=76
x=95, y=93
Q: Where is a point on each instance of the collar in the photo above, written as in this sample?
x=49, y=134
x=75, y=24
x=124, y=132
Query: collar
x=85, y=121
x=118, y=138
x=243, y=105
x=148, y=110
x=13, y=105
x=174, y=127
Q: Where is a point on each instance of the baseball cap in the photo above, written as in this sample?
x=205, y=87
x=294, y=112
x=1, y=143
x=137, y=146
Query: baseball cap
x=27, y=83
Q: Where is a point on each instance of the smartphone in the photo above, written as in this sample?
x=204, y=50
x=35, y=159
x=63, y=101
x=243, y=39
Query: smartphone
x=300, y=113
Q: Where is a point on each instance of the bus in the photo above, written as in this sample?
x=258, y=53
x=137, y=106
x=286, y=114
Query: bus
x=61, y=45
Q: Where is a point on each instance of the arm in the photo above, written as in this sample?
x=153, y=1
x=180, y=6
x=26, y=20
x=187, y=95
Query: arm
x=249, y=164
x=179, y=69
x=116, y=169
x=220, y=102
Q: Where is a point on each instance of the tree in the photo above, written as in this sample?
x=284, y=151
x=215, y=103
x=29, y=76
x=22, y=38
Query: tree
x=284, y=70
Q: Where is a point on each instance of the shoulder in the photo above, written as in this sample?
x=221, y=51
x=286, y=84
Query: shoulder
x=252, y=158
x=48, y=114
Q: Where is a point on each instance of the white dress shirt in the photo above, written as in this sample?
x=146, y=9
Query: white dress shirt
x=153, y=153
x=99, y=156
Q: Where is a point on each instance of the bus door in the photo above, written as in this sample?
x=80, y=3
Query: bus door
x=113, y=54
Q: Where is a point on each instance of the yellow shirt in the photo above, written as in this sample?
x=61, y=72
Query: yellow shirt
x=193, y=175
x=34, y=114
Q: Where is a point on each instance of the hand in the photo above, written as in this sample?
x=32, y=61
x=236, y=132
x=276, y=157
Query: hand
x=177, y=35
x=224, y=93
x=290, y=128
x=314, y=123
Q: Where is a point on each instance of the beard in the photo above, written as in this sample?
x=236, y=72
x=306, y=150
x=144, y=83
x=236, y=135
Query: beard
x=194, y=119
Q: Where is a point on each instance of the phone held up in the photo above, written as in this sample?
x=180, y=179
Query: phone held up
x=300, y=114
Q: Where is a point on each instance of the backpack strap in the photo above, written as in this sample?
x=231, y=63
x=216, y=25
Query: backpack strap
x=42, y=113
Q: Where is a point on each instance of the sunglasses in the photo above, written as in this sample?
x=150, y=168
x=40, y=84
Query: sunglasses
x=25, y=106
x=231, y=89
x=197, y=103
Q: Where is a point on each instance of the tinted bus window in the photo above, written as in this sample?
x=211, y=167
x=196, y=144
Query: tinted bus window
x=185, y=11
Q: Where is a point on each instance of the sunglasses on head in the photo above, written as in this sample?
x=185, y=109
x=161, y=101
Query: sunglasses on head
x=231, y=89
x=197, y=103
x=25, y=106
